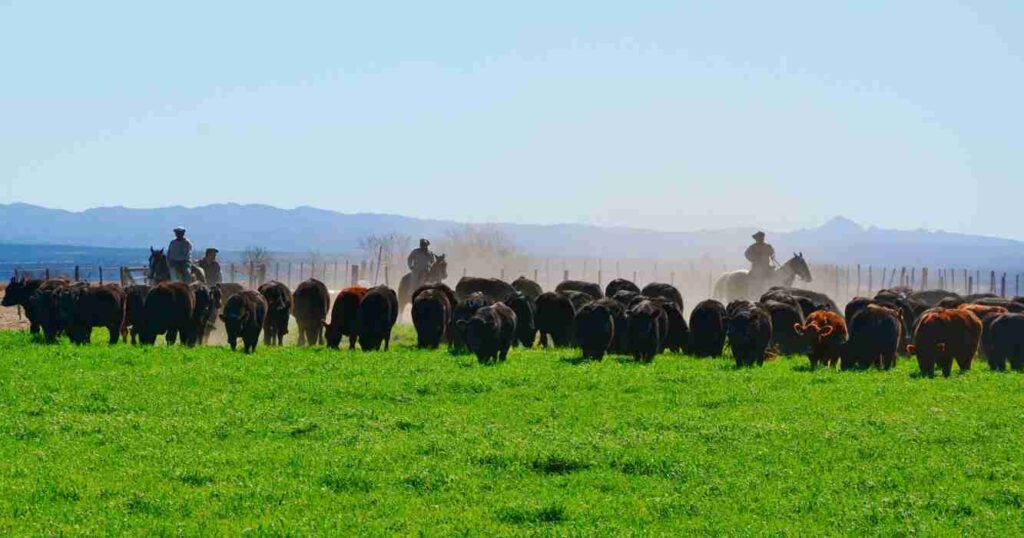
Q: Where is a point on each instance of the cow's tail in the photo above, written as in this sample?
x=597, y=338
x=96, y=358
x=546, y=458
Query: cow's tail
x=124, y=317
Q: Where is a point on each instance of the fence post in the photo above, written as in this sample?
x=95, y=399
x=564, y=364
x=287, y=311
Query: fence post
x=1002, y=286
x=76, y=274
x=599, y=277
x=970, y=285
x=502, y=278
x=386, y=280
x=101, y=275
x=290, y=274
x=47, y=273
x=992, y=282
x=336, y=273
x=672, y=278
x=565, y=275
x=355, y=275
x=535, y=275
x=870, y=283
x=1016, y=285
x=634, y=278
x=835, y=268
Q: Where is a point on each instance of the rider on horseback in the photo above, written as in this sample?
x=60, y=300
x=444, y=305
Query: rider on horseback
x=761, y=256
x=421, y=260
x=179, y=256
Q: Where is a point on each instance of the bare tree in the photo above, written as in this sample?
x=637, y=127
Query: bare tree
x=255, y=260
x=391, y=248
x=481, y=249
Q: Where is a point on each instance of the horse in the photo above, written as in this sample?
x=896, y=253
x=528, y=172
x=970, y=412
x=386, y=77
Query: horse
x=738, y=284
x=160, y=269
x=435, y=275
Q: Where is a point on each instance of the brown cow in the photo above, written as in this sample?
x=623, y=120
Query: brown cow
x=827, y=332
x=945, y=334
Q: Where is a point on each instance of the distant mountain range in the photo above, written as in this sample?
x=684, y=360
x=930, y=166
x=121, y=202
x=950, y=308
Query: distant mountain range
x=232, y=227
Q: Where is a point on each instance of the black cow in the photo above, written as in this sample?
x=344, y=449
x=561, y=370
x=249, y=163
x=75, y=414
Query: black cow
x=466, y=308
x=678, y=332
x=528, y=288
x=626, y=297
x=750, y=332
x=310, y=303
x=431, y=314
x=345, y=317
x=1005, y=341
x=378, y=313
x=590, y=288
x=876, y=333
x=279, y=307
x=595, y=330
x=526, y=310
x=490, y=332
x=1011, y=306
x=784, y=337
x=810, y=301
x=555, y=316
x=494, y=289
x=45, y=305
x=648, y=325
x=620, y=284
x=666, y=291
x=134, y=318
x=244, y=315
x=931, y=298
x=579, y=299
x=168, y=310
x=620, y=321
x=19, y=292
x=856, y=305
x=707, y=329
x=85, y=307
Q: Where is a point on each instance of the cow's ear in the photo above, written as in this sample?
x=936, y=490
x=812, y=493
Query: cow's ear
x=827, y=331
x=798, y=328
x=941, y=347
x=911, y=349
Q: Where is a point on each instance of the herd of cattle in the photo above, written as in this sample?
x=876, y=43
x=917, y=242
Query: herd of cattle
x=488, y=317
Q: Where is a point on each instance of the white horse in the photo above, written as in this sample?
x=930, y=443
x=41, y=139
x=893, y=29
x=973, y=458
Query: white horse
x=738, y=284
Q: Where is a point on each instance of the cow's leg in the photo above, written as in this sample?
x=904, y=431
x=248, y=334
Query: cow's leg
x=302, y=336
x=115, y=333
x=172, y=336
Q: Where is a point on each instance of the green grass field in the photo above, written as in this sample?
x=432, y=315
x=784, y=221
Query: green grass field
x=172, y=440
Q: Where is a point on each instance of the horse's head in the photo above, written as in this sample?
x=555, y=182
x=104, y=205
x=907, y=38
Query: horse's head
x=440, y=268
x=159, y=269
x=799, y=267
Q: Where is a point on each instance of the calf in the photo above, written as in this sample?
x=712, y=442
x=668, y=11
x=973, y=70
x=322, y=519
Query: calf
x=827, y=334
x=309, y=306
x=168, y=310
x=750, y=332
x=279, y=307
x=85, y=307
x=875, y=335
x=345, y=317
x=204, y=315
x=1005, y=341
x=595, y=330
x=244, y=315
x=944, y=335
x=620, y=321
x=489, y=333
x=648, y=325
x=135, y=298
x=431, y=313
x=555, y=317
x=707, y=329
x=525, y=309
x=466, y=308
x=378, y=313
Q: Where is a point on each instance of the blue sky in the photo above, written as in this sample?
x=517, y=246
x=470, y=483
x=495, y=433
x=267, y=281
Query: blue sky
x=672, y=116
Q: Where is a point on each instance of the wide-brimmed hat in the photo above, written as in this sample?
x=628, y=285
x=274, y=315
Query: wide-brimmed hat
x=211, y=249
x=179, y=230
x=758, y=235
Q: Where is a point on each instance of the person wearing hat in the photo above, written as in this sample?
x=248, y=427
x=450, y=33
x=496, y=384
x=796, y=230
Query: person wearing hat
x=211, y=267
x=179, y=256
x=421, y=260
x=761, y=256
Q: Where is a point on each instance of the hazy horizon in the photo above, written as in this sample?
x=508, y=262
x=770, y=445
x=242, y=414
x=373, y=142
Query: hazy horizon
x=656, y=116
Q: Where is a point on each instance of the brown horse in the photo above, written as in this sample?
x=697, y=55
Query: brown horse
x=160, y=269
x=409, y=283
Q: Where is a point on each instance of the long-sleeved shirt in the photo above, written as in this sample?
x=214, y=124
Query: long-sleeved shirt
x=180, y=250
